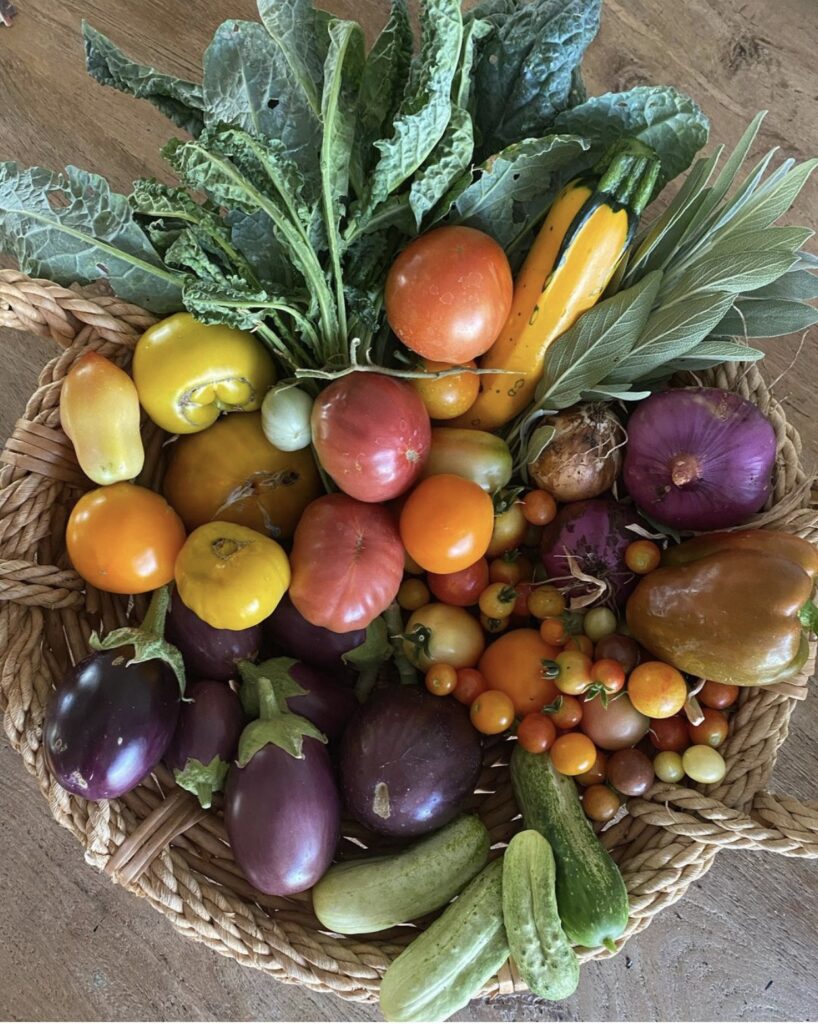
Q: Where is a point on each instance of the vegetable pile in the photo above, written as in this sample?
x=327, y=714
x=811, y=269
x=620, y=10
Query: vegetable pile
x=427, y=486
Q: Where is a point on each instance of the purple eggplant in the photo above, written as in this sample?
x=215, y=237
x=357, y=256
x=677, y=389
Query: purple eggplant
x=282, y=815
x=409, y=761
x=209, y=653
x=206, y=738
x=289, y=631
x=109, y=724
x=282, y=809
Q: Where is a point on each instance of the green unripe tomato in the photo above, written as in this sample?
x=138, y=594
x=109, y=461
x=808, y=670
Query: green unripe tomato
x=599, y=622
x=668, y=766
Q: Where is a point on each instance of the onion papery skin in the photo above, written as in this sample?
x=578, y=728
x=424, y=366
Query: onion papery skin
x=699, y=458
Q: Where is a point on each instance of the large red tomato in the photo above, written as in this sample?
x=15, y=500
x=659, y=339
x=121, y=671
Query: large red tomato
x=449, y=293
x=346, y=562
x=372, y=434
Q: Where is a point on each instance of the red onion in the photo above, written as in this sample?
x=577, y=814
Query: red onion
x=589, y=539
x=699, y=458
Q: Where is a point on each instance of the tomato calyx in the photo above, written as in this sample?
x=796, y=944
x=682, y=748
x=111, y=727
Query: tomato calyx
x=554, y=707
x=601, y=691
x=264, y=692
x=420, y=638
x=550, y=669
x=147, y=641
x=504, y=499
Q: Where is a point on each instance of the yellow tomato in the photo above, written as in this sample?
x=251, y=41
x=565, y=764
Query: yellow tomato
x=188, y=373
x=99, y=411
x=231, y=472
x=231, y=576
x=447, y=397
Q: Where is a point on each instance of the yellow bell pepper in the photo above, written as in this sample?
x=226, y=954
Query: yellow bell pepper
x=231, y=576
x=188, y=373
x=99, y=411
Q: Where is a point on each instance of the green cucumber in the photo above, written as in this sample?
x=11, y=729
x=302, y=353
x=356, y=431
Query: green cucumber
x=379, y=892
x=538, y=945
x=448, y=964
x=591, y=894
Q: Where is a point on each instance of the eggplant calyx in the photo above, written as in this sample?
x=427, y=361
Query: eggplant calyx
x=148, y=640
x=202, y=780
x=374, y=651
x=276, y=671
x=277, y=725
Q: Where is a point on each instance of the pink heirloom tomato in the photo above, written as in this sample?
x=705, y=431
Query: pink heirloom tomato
x=347, y=563
x=372, y=435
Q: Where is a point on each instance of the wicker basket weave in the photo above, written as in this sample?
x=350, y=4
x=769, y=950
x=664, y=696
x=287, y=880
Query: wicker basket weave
x=157, y=842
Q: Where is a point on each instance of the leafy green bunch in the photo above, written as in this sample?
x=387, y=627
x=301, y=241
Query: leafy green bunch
x=308, y=163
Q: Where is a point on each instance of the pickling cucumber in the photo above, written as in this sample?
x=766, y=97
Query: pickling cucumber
x=538, y=945
x=448, y=963
x=591, y=894
x=379, y=892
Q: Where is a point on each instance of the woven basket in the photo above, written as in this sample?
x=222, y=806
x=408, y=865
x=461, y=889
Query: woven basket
x=158, y=842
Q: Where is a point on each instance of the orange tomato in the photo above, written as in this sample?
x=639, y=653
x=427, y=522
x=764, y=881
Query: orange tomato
x=536, y=733
x=492, y=712
x=539, y=507
x=657, y=690
x=441, y=679
x=573, y=753
x=515, y=664
x=124, y=539
x=230, y=472
x=446, y=523
x=447, y=397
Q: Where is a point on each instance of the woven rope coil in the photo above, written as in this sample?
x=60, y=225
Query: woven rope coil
x=158, y=842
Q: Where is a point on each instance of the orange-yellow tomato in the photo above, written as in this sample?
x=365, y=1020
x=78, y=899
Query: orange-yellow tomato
x=450, y=396
x=99, y=411
x=573, y=753
x=517, y=664
x=232, y=473
x=657, y=690
x=446, y=523
x=124, y=539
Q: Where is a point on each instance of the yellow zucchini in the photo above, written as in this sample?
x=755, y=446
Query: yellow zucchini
x=585, y=235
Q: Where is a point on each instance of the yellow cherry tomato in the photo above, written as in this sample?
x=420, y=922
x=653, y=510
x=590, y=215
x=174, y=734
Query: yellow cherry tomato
x=99, y=411
x=231, y=576
x=188, y=373
x=231, y=472
x=447, y=397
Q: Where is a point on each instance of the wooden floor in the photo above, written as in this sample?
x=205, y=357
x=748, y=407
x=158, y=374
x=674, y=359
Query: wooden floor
x=743, y=944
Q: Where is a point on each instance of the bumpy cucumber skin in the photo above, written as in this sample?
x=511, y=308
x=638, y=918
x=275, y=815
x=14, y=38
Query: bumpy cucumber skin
x=374, y=894
x=538, y=945
x=448, y=964
x=591, y=894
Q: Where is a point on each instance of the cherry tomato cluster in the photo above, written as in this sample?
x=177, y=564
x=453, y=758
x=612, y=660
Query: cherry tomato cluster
x=568, y=682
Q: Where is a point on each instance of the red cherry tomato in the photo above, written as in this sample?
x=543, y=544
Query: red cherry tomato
x=536, y=732
x=669, y=734
x=449, y=293
x=461, y=588
x=539, y=508
x=711, y=732
x=566, y=713
x=470, y=684
x=718, y=695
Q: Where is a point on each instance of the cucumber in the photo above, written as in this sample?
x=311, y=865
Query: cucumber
x=538, y=945
x=449, y=963
x=591, y=894
x=380, y=892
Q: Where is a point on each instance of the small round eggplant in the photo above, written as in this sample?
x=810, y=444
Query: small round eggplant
x=208, y=653
x=409, y=761
x=282, y=815
x=288, y=630
x=109, y=724
x=206, y=738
